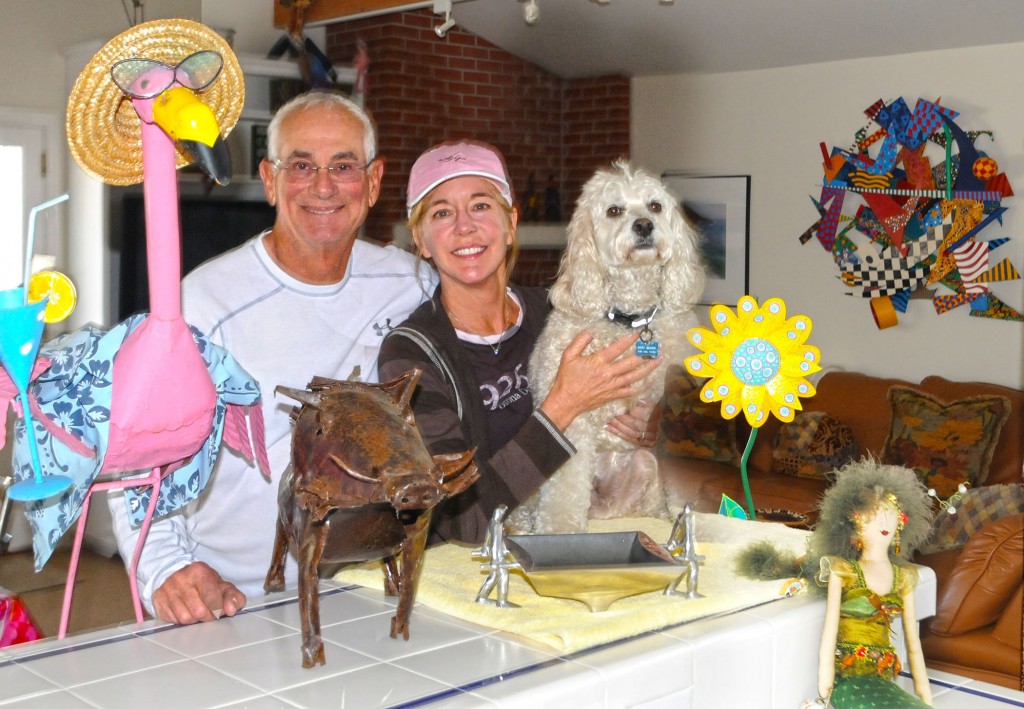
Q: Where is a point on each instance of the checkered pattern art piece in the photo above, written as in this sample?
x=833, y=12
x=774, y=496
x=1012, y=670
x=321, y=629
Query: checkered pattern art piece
x=915, y=220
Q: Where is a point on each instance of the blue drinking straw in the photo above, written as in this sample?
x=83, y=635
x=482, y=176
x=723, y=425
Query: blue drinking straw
x=19, y=362
x=31, y=245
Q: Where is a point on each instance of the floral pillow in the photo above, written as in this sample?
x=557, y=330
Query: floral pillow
x=691, y=428
x=974, y=510
x=813, y=444
x=946, y=444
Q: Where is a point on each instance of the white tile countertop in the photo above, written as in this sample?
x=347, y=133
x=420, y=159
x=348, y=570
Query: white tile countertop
x=762, y=657
x=254, y=660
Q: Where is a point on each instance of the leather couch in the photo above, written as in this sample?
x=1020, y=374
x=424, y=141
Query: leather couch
x=977, y=630
x=858, y=400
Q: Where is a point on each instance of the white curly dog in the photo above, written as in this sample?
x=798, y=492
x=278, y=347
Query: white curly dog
x=631, y=260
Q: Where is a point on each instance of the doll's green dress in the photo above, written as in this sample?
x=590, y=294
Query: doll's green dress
x=866, y=661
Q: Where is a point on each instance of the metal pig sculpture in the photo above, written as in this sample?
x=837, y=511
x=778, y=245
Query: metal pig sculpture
x=361, y=486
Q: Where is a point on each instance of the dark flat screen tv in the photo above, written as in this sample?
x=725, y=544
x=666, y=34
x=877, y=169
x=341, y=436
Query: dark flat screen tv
x=209, y=227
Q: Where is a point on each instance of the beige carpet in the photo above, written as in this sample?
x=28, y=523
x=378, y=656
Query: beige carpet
x=451, y=579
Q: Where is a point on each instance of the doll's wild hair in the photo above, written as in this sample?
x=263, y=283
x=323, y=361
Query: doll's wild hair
x=859, y=488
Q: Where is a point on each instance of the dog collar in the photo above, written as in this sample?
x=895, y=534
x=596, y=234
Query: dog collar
x=633, y=320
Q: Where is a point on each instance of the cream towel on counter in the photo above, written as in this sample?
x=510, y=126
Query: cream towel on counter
x=451, y=580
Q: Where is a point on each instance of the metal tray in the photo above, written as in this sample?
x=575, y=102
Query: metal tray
x=595, y=569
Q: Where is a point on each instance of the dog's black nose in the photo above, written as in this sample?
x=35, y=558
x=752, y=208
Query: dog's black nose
x=643, y=228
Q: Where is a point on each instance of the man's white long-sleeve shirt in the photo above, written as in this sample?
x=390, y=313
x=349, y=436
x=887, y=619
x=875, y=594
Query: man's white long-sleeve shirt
x=283, y=332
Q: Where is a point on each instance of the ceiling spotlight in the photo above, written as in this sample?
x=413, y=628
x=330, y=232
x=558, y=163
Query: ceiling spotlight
x=442, y=29
x=531, y=13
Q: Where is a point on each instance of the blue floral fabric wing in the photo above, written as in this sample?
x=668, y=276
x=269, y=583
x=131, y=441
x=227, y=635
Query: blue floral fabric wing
x=75, y=394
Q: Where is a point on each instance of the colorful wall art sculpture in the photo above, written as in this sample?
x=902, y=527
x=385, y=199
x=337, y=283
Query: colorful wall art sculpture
x=912, y=209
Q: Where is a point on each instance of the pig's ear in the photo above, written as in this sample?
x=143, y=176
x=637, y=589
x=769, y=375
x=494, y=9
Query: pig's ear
x=400, y=390
x=458, y=470
x=306, y=397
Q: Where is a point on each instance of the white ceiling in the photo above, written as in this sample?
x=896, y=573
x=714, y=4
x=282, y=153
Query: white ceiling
x=580, y=38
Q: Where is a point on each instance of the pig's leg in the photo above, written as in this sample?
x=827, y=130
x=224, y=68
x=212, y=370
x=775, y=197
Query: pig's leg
x=412, y=562
x=392, y=582
x=275, y=574
x=314, y=536
x=287, y=513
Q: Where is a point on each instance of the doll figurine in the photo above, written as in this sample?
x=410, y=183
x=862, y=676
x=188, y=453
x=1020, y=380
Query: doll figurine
x=871, y=520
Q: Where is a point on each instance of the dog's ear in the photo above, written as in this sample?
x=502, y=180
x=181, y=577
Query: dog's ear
x=683, y=281
x=579, y=289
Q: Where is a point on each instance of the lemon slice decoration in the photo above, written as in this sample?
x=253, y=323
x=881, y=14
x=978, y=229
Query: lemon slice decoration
x=58, y=290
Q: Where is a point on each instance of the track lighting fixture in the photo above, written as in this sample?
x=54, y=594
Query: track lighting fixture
x=444, y=6
x=442, y=29
x=531, y=13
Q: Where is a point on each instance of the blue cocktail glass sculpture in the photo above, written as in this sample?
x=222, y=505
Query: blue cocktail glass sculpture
x=21, y=331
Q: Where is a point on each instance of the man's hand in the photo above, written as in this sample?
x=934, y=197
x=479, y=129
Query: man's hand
x=639, y=425
x=196, y=594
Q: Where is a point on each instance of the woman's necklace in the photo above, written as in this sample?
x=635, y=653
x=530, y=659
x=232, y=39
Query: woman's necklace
x=506, y=323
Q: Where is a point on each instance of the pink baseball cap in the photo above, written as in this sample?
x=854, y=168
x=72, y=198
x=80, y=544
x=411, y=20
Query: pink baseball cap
x=456, y=159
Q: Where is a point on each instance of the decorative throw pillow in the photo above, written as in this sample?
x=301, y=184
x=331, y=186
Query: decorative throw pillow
x=946, y=444
x=813, y=444
x=691, y=428
x=974, y=510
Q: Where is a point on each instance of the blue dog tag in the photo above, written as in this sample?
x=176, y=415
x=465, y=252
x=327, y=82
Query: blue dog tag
x=647, y=350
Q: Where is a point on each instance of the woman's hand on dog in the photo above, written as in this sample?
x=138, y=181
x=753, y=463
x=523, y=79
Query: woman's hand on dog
x=639, y=425
x=585, y=381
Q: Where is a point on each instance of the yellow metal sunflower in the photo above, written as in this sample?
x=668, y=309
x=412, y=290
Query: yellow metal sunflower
x=757, y=361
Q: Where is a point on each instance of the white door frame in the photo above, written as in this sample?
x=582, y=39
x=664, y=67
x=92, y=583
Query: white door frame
x=50, y=231
x=50, y=238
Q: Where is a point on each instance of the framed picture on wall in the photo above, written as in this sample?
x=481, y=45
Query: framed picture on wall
x=718, y=208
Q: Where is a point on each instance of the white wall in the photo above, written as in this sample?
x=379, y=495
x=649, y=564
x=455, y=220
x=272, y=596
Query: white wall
x=35, y=33
x=768, y=124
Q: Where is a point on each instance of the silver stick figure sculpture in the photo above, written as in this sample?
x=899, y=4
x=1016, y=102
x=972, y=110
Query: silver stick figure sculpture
x=497, y=562
x=682, y=545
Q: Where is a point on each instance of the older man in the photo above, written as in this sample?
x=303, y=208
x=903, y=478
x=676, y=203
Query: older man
x=304, y=298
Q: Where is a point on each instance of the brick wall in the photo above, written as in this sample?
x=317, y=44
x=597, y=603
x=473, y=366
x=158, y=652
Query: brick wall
x=596, y=121
x=423, y=90
x=536, y=267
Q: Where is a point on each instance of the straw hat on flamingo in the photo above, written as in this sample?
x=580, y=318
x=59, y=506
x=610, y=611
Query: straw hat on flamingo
x=103, y=126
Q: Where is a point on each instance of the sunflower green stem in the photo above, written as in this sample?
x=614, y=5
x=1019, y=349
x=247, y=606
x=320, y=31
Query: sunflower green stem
x=743, y=472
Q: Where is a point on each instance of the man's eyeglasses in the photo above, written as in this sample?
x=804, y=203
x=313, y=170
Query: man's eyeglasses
x=301, y=171
x=146, y=78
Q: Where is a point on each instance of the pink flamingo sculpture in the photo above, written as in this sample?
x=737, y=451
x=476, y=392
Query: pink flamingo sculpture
x=173, y=395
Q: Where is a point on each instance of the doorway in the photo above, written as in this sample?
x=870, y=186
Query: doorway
x=31, y=172
x=30, y=175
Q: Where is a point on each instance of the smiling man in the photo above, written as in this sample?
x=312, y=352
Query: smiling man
x=302, y=299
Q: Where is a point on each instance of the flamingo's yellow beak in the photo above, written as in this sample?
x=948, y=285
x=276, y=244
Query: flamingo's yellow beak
x=191, y=123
